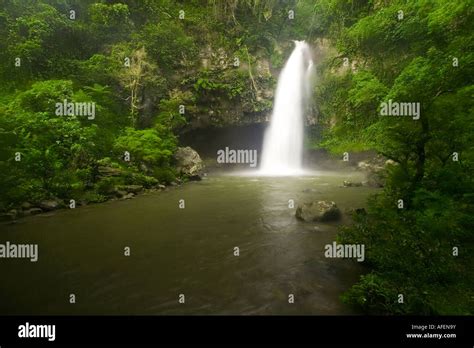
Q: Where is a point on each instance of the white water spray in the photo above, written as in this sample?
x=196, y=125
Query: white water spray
x=282, y=152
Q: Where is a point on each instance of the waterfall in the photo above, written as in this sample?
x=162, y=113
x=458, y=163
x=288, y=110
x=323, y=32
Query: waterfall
x=282, y=152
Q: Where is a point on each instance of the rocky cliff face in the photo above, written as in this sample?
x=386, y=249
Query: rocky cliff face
x=233, y=88
x=236, y=88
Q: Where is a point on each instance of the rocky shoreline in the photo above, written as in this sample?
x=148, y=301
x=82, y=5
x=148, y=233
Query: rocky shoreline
x=122, y=192
x=189, y=167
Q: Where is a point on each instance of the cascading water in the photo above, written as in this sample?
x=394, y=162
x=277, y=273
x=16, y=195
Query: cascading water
x=282, y=152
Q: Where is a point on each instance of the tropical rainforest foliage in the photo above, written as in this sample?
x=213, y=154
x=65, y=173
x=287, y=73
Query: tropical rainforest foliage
x=408, y=51
x=140, y=61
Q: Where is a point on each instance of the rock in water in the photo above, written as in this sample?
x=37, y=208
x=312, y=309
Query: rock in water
x=189, y=163
x=49, y=205
x=128, y=195
x=34, y=211
x=26, y=205
x=376, y=169
x=135, y=189
x=121, y=193
x=318, y=211
x=347, y=183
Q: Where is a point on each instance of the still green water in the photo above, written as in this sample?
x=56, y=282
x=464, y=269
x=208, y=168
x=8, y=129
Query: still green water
x=186, y=251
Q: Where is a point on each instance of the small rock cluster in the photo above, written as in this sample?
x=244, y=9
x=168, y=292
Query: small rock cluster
x=376, y=170
x=28, y=209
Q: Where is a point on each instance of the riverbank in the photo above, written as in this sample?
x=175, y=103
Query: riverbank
x=188, y=251
x=113, y=180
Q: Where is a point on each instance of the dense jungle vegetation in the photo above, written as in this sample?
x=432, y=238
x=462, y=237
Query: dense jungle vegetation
x=141, y=62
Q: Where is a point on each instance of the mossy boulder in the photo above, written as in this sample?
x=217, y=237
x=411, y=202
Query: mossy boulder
x=189, y=163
